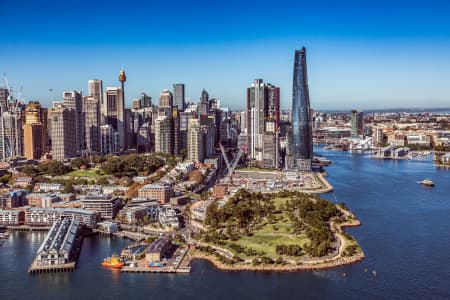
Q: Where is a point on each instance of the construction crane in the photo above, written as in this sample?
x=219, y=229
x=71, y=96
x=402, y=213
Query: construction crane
x=11, y=105
x=231, y=167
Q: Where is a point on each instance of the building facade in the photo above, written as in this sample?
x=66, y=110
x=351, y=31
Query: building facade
x=300, y=148
x=113, y=112
x=62, y=124
x=91, y=115
x=178, y=96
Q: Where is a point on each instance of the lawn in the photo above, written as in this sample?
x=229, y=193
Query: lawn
x=86, y=173
x=267, y=238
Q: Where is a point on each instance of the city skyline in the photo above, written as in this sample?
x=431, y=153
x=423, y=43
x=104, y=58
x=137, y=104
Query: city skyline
x=385, y=56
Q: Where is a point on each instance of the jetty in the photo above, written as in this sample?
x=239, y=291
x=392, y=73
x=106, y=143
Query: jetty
x=60, y=249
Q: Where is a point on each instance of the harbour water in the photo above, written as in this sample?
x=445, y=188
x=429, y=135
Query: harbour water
x=405, y=235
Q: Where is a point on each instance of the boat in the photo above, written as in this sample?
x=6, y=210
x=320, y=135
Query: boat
x=113, y=262
x=427, y=182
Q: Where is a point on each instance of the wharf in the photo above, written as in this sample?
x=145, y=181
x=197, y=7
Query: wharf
x=35, y=269
x=155, y=270
x=28, y=228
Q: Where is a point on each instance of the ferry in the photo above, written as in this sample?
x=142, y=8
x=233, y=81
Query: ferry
x=113, y=262
x=427, y=182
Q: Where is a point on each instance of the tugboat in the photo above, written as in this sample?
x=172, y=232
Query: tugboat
x=427, y=182
x=113, y=262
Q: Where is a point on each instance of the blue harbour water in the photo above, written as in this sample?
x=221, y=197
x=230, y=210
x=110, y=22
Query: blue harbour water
x=405, y=235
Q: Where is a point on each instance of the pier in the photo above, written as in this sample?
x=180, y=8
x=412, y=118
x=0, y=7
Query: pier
x=37, y=269
x=60, y=249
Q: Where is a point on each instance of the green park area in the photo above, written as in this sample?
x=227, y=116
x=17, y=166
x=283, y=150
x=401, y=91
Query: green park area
x=90, y=173
x=271, y=227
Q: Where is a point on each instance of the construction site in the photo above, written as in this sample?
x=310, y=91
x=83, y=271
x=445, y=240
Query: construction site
x=268, y=180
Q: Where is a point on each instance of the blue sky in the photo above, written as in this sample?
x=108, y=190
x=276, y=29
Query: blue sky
x=382, y=54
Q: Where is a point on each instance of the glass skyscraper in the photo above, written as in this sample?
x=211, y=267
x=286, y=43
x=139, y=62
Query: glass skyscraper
x=301, y=150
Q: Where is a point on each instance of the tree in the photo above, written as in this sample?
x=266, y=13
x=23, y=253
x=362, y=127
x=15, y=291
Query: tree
x=30, y=170
x=78, y=162
x=102, y=181
x=68, y=187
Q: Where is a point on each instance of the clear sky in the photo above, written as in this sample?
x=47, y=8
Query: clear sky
x=382, y=54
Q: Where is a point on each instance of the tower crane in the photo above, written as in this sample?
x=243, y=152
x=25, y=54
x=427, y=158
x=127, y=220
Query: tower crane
x=231, y=167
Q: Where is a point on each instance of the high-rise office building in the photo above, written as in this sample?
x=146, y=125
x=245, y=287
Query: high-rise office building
x=166, y=99
x=263, y=106
x=146, y=100
x=35, y=130
x=95, y=89
x=113, y=112
x=164, y=139
x=109, y=139
x=91, y=115
x=33, y=144
x=357, y=123
x=178, y=94
x=74, y=100
x=62, y=123
x=203, y=106
x=301, y=149
x=194, y=141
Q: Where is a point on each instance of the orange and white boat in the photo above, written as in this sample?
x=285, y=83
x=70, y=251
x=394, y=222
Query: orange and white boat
x=113, y=262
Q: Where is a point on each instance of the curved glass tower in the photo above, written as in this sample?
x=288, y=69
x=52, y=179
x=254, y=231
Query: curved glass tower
x=301, y=149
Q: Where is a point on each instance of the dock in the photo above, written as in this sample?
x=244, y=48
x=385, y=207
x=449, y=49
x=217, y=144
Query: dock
x=155, y=270
x=37, y=269
x=60, y=249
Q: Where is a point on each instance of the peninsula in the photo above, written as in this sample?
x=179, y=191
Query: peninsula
x=284, y=231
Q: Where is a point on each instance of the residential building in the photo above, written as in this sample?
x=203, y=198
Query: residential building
x=106, y=206
x=161, y=192
x=194, y=141
x=12, y=217
x=357, y=120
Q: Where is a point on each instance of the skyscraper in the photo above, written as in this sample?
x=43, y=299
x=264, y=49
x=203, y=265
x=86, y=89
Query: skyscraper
x=32, y=135
x=203, y=106
x=74, y=100
x=178, y=94
x=301, y=149
x=91, y=115
x=357, y=123
x=263, y=106
x=113, y=112
x=35, y=130
x=166, y=99
x=164, y=139
x=194, y=141
x=62, y=123
x=95, y=89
